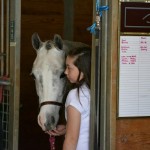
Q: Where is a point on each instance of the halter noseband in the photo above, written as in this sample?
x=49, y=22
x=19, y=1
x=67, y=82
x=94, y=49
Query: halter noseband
x=51, y=103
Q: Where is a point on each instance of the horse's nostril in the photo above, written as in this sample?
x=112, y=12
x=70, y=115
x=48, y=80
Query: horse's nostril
x=50, y=124
x=52, y=119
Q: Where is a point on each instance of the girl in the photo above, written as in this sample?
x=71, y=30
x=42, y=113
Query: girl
x=77, y=106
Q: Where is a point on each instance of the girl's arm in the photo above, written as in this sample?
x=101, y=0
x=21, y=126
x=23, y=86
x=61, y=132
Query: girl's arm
x=73, y=128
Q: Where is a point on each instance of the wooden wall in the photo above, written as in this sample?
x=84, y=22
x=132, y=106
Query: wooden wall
x=133, y=134
x=46, y=17
x=130, y=133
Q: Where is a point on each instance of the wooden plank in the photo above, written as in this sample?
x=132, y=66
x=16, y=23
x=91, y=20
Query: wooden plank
x=133, y=134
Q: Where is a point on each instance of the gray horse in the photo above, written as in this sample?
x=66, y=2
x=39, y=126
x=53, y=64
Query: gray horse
x=48, y=69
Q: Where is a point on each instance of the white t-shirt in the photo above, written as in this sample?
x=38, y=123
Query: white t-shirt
x=82, y=104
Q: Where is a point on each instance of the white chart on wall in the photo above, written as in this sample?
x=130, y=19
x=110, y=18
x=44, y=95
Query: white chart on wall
x=134, y=76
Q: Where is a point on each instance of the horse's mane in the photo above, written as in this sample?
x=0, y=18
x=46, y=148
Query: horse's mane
x=68, y=45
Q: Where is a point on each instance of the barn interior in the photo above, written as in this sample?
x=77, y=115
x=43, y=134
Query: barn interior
x=69, y=19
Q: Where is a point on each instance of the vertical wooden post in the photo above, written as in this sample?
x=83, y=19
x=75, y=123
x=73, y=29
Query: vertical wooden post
x=68, y=19
x=15, y=16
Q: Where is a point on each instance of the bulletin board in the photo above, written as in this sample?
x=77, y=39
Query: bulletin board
x=134, y=76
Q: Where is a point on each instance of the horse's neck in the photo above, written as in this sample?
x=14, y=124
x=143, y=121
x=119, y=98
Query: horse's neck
x=67, y=45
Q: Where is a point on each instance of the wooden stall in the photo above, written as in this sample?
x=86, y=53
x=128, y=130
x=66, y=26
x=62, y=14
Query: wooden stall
x=46, y=18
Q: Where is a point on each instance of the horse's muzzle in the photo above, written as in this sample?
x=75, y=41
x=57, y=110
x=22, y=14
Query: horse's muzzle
x=51, y=123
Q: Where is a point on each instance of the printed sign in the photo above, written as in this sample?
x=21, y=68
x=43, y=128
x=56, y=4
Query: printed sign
x=135, y=17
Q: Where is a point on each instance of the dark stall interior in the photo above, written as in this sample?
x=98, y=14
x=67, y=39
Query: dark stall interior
x=46, y=18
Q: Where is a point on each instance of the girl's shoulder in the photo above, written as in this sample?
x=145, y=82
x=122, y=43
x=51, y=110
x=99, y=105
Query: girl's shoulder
x=80, y=101
x=73, y=93
x=82, y=91
x=80, y=96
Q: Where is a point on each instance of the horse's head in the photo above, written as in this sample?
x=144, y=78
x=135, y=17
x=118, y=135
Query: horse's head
x=48, y=69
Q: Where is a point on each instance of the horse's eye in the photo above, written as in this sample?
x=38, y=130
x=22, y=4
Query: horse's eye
x=33, y=76
x=48, y=46
x=62, y=75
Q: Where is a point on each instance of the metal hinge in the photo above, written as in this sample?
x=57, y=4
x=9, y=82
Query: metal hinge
x=12, y=31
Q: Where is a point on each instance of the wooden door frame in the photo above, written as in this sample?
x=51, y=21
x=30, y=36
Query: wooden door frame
x=109, y=46
x=15, y=21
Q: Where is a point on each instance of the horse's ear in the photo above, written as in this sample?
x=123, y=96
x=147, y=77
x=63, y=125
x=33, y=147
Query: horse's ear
x=36, y=42
x=58, y=41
